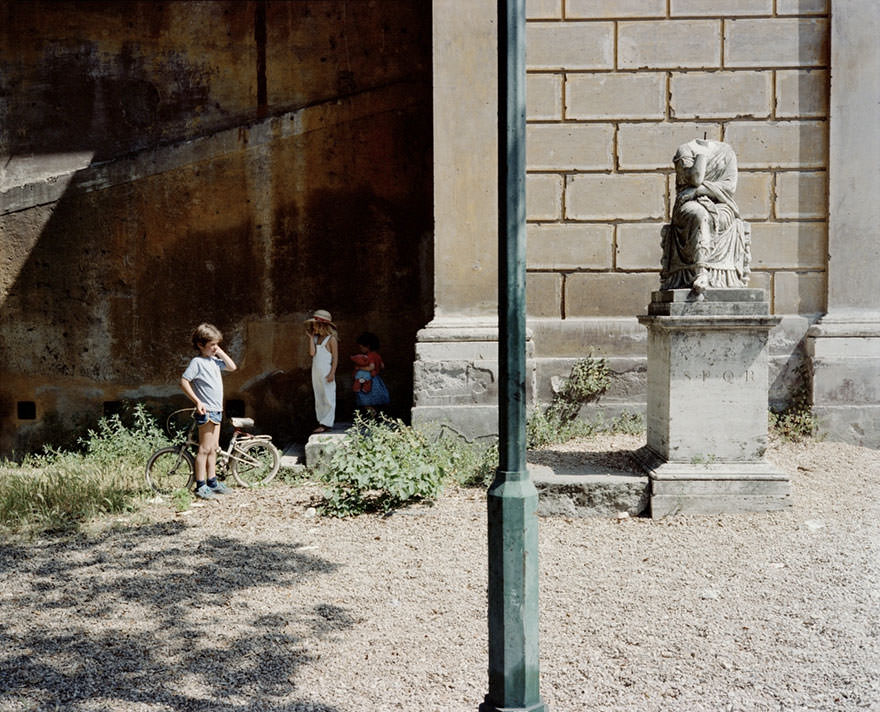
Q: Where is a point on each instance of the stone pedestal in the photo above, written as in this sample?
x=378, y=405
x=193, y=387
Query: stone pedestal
x=707, y=404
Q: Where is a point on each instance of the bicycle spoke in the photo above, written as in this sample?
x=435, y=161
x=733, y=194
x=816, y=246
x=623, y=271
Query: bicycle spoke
x=255, y=462
x=169, y=469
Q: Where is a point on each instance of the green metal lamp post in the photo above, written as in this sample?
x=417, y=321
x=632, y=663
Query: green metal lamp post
x=512, y=498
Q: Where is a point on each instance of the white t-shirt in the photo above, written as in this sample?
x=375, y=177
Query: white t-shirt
x=203, y=374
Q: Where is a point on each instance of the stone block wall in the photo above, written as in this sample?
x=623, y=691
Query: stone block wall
x=614, y=87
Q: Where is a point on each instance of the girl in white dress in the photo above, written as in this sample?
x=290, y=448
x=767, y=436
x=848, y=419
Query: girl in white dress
x=324, y=350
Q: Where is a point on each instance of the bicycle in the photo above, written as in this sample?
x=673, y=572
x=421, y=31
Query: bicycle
x=251, y=459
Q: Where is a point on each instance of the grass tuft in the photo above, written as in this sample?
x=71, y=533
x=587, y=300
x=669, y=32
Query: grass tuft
x=57, y=491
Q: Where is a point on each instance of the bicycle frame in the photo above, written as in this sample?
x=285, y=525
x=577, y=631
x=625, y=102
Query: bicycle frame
x=244, y=458
x=232, y=451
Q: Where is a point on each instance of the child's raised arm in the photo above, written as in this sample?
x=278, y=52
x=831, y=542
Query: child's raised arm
x=334, y=353
x=225, y=358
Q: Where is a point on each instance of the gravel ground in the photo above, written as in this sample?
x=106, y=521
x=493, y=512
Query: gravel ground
x=253, y=603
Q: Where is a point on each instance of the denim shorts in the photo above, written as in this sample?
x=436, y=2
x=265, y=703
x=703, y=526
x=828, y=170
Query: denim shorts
x=215, y=416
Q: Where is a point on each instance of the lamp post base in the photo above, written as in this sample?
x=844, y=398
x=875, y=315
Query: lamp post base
x=489, y=706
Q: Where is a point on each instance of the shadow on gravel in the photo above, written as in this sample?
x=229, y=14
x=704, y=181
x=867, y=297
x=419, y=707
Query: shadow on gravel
x=179, y=631
x=601, y=461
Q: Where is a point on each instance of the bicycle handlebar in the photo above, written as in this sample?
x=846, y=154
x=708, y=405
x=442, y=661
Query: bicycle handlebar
x=192, y=412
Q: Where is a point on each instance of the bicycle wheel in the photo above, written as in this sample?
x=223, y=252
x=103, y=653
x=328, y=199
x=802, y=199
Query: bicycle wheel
x=169, y=469
x=254, y=462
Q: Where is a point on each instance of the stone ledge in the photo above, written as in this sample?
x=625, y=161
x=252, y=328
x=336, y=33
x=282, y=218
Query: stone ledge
x=589, y=491
x=471, y=422
x=670, y=505
x=857, y=324
x=740, y=294
x=712, y=302
x=708, y=322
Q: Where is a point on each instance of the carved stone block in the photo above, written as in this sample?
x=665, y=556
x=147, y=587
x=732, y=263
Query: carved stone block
x=707, y=403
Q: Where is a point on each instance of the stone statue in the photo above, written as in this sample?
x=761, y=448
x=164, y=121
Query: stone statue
x=707, y=244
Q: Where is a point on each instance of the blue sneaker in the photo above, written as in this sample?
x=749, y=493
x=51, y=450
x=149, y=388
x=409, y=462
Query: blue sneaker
x=205, y=492
x=218, y=488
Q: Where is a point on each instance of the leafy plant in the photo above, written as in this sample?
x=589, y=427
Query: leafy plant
x=795, y=424
x=181, y=499
x=627, y=423
x=293, y=475
x=482, y=464
x=543, y=430
x=115, y=441
x=380, y=466
x=589, y=378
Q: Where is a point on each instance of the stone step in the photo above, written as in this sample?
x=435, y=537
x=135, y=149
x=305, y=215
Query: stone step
x=293, y=457
x=573, y=490
x=589, y=490
x=319, y=448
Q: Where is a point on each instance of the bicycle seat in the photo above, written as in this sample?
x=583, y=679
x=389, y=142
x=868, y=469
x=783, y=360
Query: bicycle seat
x=242, y=422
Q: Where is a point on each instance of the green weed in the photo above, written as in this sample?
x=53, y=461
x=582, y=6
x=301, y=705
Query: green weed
x=797, y=422
x=181, y=499
x=589, y=379
x=57, y=490
x=543, y=429
x=479, y=464
x=379, y=466
x=383, y=464
x=794, y=424
x=627, y=423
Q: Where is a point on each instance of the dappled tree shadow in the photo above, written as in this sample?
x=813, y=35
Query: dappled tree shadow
x=164, y=604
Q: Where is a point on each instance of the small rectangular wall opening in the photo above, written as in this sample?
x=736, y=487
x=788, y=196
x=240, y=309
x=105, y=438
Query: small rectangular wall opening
x=235, y=408
x=112, y=408
x=26, y=410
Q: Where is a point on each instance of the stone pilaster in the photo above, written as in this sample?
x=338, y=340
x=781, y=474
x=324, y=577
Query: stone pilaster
x=844, y=351
x=456, y=367
x=844, y=346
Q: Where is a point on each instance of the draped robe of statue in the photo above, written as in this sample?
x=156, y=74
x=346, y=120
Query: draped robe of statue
x=707, y=244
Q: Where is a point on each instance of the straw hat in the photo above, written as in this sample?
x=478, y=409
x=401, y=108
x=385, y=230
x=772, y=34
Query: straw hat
x=321, y=316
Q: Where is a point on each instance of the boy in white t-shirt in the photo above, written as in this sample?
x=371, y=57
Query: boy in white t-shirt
x=203, y=385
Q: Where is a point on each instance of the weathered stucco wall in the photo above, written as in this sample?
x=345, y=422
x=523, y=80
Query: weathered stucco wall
x=241, y=163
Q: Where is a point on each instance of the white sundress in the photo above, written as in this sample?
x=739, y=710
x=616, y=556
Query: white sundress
x=325, y=393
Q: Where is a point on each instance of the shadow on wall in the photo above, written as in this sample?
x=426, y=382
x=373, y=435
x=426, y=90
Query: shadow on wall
x=178, y=218
x=367, y=260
